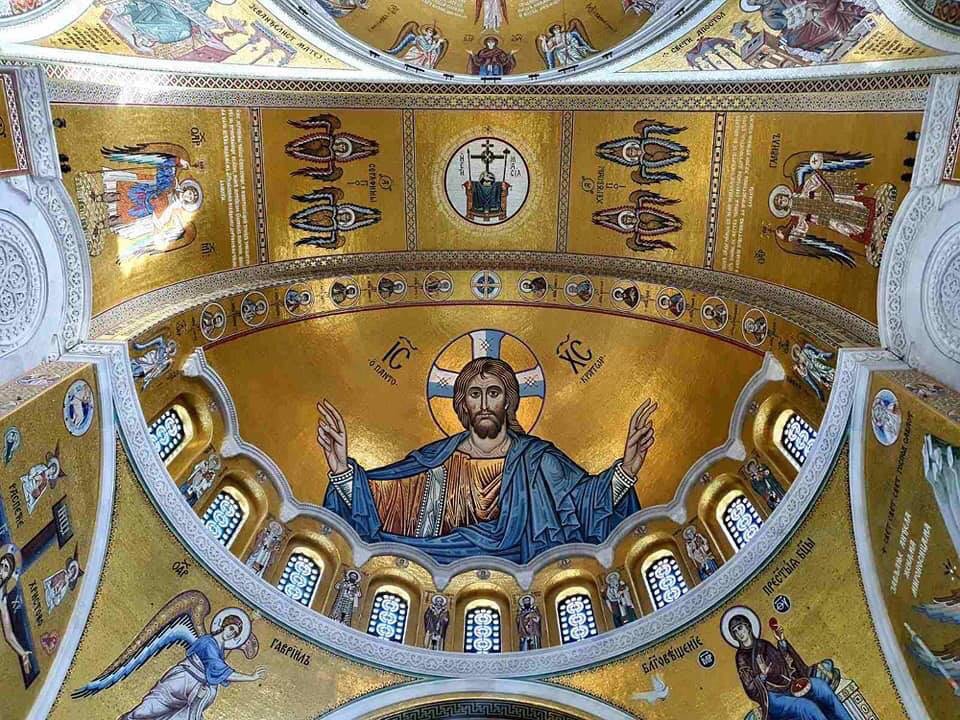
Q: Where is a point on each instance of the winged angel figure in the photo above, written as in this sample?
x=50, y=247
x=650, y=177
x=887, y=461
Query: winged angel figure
x=561, y=46
x=419, y=46
x=144, y=202
x=826, y=194
x=188, y=688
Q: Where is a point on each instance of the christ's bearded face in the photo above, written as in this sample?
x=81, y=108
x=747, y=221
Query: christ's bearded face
x=486, y=403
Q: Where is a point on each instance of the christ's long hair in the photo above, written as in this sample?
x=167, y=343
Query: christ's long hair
x=502, y=372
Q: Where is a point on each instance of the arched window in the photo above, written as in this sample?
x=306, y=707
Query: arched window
x=665, y=583
x=739, y=518
x=796, y=438
x=481, y=629
x=575, y=614
x=300, y=578
x=388, y=618
x=224, y=516
x=171, y=432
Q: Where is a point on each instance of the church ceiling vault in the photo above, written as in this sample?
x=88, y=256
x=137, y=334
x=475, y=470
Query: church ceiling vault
x=482, y=359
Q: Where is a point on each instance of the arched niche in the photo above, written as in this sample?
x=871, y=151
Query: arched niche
x=720, y=488
x=198, y=421
x=306, y=535
x=477, y=595
x=569, y=582
x=252, y=496
x=413, y=582
x=768, y=424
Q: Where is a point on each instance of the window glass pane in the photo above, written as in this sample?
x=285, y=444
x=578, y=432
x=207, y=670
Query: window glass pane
x=167, y=433
x=741, y=521
x=575, y=613
x=388, y=619
x=481, y=630
x=300, y=578
x=797, y=438
x=665, y=582
x=223, y=517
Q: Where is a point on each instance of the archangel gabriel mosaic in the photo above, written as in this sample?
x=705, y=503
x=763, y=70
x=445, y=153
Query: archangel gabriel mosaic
x=490, y=487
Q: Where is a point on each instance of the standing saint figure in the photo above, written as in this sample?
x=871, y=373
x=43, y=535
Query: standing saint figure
x=529, y=622
x=419, y=46
x=493, y=13
x=812, y=364
x=698, y=550
x=561, y=46
x=435, y=622
x=266, y=548
x=489, y=490
x=348, y=597
x=158, y=355
x=618, y=598
x=188, y=689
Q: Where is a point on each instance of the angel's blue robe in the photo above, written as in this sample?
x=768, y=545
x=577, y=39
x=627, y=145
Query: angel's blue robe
x=546, y=499
x=208, y=652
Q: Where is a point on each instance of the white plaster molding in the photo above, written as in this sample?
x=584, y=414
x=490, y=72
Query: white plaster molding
x=939, y=115
x=860, y=430
x=336, y=638
x=940, y=293
x=46, y=284
x=52, y=16
x=99, y=542
x=196, y=365
x=54, y=313
x=918, y=298
x=23, y=284
x=377, y=704
x=924, y=29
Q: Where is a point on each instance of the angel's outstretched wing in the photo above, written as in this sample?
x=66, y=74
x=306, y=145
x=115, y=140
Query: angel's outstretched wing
x=647, y=127
x=944, y=609
x=179, y=622
x=817, y=247
x=579, y=32
x=158, y=342
x=146, y=153
x=799, y=165
x=811, y=349
x=405, y=38
x=810, y=382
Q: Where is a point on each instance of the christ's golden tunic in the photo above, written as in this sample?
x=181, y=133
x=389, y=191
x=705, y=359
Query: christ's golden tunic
x=470, y=495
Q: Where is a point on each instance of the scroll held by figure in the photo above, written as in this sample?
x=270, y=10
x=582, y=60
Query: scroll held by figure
x=491, y=489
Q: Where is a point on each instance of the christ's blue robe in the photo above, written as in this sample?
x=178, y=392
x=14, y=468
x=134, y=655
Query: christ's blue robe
x=546, y=499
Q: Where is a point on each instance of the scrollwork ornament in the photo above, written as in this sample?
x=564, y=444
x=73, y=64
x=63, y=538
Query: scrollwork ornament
x=941, y=295
x=23, y=285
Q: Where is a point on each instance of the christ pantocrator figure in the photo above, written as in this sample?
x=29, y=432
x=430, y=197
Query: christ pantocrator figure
x=489, y=490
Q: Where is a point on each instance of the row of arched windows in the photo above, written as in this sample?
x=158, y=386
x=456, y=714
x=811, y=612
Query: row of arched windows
x=661, y=575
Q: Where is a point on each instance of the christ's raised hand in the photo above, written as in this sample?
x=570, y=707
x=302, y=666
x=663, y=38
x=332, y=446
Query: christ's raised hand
x=332, y=437
x=639, y=438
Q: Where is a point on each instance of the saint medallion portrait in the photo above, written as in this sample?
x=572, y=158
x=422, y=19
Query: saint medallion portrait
x=487, y=181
